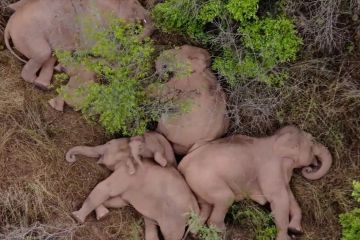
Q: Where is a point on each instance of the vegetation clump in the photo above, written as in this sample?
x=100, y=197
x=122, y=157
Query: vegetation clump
x=260, y=221
x=251, y=46
x=203, y=232
x=350, y=221
x=122, y=61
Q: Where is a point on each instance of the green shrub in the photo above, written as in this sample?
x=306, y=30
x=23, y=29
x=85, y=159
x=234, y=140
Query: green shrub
x=253, y=217
x=203, y=232
x=121, y=61
x=274, y=41
x=243, y=10
x=246, y=46
x=179, y=16
x=350, y=221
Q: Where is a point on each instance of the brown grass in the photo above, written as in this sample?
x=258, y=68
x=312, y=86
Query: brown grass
x=38, y=188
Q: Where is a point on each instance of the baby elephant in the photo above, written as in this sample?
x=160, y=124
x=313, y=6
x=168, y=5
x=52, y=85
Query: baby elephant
x=160, y=194
x=148, y=145
x=233, y=168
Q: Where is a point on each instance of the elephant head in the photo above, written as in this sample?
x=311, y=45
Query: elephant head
x=109, y=154
x=293, y=143
x=183, y=61
x=152, y=145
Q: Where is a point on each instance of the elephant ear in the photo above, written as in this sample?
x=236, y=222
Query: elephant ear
x=17, y=5
x=161, y=147
x=287, y=144
x=200, y=58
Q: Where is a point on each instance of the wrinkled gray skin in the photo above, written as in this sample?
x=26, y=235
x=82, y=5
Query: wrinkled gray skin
x=167, y=196
x=40, y=26
x=193, y=82
x=233, y=168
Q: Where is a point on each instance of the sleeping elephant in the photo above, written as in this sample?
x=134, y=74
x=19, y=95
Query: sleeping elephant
x=148, y=145
x=237, y=167
x=159, y=193
x=192, y=82
x=40, y=26
x=71, y=94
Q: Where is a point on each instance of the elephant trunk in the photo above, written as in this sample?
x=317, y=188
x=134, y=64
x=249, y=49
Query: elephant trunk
x=94, y=152
x=324, y=156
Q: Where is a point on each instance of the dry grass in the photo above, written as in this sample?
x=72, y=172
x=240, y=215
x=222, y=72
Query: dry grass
x=322, y=97
x=325, y=25
x=4, y=15
x=38, y=188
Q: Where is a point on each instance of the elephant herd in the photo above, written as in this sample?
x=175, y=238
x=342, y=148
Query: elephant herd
x=215, y=171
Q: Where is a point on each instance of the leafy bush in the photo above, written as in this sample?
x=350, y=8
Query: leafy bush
x=246, y=46
x=203, y=232
x=118, y=56
x=258, y=220
x=244, y=10
x=350, y=221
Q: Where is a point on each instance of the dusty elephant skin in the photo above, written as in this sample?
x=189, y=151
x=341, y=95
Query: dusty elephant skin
x=238, y=167
x=79, y=78
x=207, y=118
x=148, y=145
x=168, y=197
x=40, y=26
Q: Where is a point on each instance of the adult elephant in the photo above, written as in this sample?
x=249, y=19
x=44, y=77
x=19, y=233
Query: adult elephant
x=192, y=83
x=238, y=167
x=40, y=26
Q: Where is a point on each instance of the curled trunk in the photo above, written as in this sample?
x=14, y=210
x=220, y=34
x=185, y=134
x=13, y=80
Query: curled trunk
x=324, y=156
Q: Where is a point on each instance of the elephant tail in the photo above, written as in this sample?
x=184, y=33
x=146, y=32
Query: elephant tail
x=7, y=43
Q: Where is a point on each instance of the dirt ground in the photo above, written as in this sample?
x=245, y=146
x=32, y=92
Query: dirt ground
x=39, y=189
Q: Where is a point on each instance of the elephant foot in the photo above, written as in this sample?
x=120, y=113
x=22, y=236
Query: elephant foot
x=42, y=86
x=78, y=217
x=57, y=104
x=293, y=232
x=101, y=212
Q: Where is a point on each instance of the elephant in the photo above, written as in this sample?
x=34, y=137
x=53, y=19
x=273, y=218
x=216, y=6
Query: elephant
x=80, y=78
x=149, y=145
x=159, y=193
x=237, y=167
x=194, y=82
x=40, y=26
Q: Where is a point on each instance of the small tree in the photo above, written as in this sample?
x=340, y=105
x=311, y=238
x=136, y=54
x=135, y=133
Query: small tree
x=122, y=62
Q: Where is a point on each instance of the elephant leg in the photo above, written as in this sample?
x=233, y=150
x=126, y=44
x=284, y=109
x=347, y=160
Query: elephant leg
x=171, y=231
x=150, y=229
x=295, y=215
x=39, y=56
x=57, y=103
x=205, y=210
x=217, y=216
x=115, y=202
x=221, y=200
x=103, y=191
x=280, y=209
x=46, y=73
x=101, y=211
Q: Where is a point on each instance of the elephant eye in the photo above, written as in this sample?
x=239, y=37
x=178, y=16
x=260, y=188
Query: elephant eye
x=164, y=66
